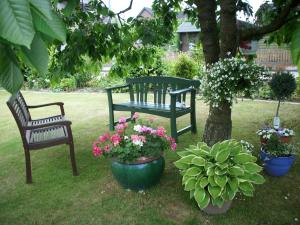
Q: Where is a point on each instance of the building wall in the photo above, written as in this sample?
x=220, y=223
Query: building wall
x=186, y=39
x=145, y=14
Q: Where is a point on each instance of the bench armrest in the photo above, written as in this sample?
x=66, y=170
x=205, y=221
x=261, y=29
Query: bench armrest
x=181, y=91
x=60, y=104
x=117, y=87
x=58, y=123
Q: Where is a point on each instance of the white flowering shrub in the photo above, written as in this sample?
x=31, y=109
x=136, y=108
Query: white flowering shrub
x=230, y=77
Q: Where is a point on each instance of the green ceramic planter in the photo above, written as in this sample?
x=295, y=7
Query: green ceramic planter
x=138, y=176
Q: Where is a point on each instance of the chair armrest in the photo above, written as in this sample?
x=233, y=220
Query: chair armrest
x=117, y=87
x=61, y=123
x=60, y=104
x=181, y=91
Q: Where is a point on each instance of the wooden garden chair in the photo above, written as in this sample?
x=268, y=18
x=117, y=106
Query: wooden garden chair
x=41, y=133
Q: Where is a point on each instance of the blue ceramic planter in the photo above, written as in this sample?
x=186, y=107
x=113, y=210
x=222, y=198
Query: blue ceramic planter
x=138, y=176
x=276, y=166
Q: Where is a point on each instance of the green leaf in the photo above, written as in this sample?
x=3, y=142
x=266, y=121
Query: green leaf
x=11, y=77
x=181, y=165
x=214, y=191
x=236, y=171
x=231, y=193
x=234, y=184
x=192, y=192
x=185, y=178
x=215, y=149
x=252, y=167
x=186, y=159
x=203, y=204
x=43, y=6
x=54, y=28
x=248, y=193
x=190, y=184
x=210, y=171
x=199, y=161
x=217, y=201
x=37, y=56
x=220, y=172
x=183, y=153
x=70, y=7
x=222, y=155
x=257, y=178
x=246, y=186
x=193, y=171
x=199, y=195
x=220, y=180
x=243, y=158
x=212, y=181
x=16, y=22
x=203, y=182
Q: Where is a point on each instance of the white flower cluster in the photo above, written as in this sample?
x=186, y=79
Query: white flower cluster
x=266, y=133
x=247, y=146
x=285, y=132
x=230, y=77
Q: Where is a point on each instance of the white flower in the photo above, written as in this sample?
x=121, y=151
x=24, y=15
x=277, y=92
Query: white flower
x=138, y=143
x=137, y=128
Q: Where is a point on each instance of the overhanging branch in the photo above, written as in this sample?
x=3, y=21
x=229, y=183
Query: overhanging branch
x=281, y=19
x=125, y=10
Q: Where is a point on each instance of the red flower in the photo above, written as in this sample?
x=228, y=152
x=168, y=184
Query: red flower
x=115, y=139
x=97, y=151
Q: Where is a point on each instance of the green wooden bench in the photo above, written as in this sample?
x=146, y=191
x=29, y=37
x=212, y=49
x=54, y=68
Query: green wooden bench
x=161, y=86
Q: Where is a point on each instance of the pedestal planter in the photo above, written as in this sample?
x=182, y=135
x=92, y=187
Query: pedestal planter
x=140, y=175
x=276, y=166
x=212, y=210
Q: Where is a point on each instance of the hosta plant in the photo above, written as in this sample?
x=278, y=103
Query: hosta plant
x=216, y=174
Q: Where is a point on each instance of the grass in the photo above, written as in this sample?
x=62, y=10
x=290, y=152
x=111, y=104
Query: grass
x=94, y=197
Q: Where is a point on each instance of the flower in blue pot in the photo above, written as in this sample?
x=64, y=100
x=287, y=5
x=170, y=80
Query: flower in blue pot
x=278, y=156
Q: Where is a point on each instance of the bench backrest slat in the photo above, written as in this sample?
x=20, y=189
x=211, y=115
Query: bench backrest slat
x=160, y=85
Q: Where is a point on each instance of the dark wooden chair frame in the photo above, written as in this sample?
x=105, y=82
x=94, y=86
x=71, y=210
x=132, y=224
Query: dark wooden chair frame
x=138, y=89
x=27, y=126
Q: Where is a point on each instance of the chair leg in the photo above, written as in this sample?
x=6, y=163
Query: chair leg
x=174, y=128
x=28, y=166
x=73, y=160
x=193, y=122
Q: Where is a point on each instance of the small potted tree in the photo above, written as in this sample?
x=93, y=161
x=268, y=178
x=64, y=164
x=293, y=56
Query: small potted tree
x=283, y=85
x=136, y=153
x=213, y=176
x=278, y=156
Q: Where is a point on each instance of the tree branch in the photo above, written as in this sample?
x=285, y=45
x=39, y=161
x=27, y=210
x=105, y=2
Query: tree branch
x=246, y=34
x=125, y=10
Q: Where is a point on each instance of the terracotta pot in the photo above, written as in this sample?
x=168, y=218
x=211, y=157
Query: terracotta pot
x=286, y=139
x=212, y=210
x=263, y=141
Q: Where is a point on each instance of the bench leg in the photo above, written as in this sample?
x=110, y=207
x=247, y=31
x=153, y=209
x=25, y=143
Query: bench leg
x=73, y=160
x=193, y=122
x=28, y=166
x=174, y=128
x=111, y=120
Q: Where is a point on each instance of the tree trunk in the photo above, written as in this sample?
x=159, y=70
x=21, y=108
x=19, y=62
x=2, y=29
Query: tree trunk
x=219, y=125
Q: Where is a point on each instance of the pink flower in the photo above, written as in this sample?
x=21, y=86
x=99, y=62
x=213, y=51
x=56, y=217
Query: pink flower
x=173, y=146
x=120, y=131
x=161, y=131
x=120, y=126
x=125, y=125
x=145, y=129
x=102, y=139
x=107, y=148
x=138, y=140
x=115, y=139
x=135, y=116
x=122, y=120
x=107, y=135
x=97, y=151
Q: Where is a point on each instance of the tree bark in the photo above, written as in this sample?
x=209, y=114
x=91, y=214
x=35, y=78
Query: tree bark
x=218, y=125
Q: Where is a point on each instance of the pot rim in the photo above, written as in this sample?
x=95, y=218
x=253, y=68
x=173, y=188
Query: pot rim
x=272, y=156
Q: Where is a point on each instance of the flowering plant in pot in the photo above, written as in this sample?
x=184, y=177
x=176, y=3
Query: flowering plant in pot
x=285, y=134
x=136, y=152
x=214, y=175
x=278, y=156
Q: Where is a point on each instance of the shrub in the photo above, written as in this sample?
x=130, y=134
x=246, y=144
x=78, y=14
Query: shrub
x=185, y=67
x=283, y=85
x=82, y=79
x=218, y=173
x=68, y=84
x=265, y=92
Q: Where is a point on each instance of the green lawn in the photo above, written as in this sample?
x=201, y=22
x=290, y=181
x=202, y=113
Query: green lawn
x=94, y=197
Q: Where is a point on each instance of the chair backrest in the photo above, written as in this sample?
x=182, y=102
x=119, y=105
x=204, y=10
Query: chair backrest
x=160, y=85
x=18, y=108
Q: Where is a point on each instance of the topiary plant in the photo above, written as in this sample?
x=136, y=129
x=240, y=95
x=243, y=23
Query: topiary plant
x=215, y=175
x=185, y=67
x=283, y=85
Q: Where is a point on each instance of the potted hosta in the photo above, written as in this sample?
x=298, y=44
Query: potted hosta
x=136, y=153
x=278, y=156
x=214, y=175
